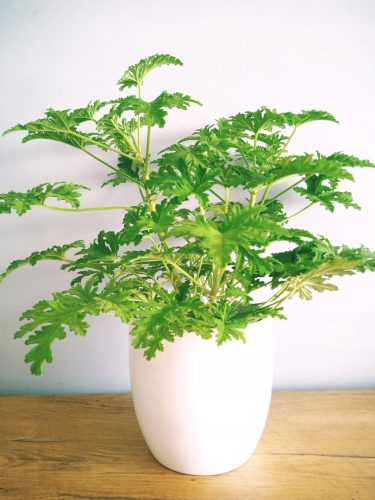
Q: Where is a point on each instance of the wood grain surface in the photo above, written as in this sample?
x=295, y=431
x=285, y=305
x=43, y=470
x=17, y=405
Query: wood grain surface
x=316, y=445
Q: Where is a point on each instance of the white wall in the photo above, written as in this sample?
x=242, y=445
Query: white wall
x=239, y=55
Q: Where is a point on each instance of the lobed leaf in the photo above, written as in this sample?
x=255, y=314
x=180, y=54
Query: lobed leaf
x=57, y=252
x=36, y=196
x=154, y=112
x=136, y=73
x=323, y=190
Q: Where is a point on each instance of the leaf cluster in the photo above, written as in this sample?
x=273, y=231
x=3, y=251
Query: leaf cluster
x=192, y=255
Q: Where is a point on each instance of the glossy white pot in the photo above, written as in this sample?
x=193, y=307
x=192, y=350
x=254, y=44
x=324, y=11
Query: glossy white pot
x=202, y=407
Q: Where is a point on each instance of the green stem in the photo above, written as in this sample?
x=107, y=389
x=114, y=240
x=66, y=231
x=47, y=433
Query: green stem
x=146, y=172
x=217, y=195
x=127, y=138
x=139, y=123
x=186, y=274
x=158, y=249
x=155, y=245
x=277, y=294
x=131, y=179
x=201, y=209
x=254, y=146
x=287, y=142
x=93, y=209
x=216, y=278
x=199, y=272
x=96, y=143
x=253, y=197
x=289, y=188
x=226, y=204
x=244, y=159
x=133, y=141
x=265, y=194
x=56, y=259
x=302, y=210
x=147, y=158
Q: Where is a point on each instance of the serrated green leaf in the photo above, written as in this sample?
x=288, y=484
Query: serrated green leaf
x=349, y=160
x=57, y=252
x=49, y=320
x=262, y=119
x=128, y=170
x=241, y=229
x=22, y=202
x=98, y=259
x=307, y=164
x=42, y=352
x=312, y=115
x=316, y=280
x=168, y=318
x=323, y=190
x=63, y=126
x=154, y=112
x=136, y=73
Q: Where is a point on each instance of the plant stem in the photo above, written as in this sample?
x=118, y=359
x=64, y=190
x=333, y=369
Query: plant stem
x=127, y=138
x=186, y=274
x=217, y=274
x=155, y=245
x=146, y=172
x=253, y=197
x=92, y=209
x=56, y=259
x=201, y=209
x=276, y=295
x=131, y=179
x=302, y=210
x=289, y=188
x=147, y=157
x=254, y=146
x=265, y=194
x=139, y=123
x=96, y=143
x=199, y=272
x=226, y=204
x=217, y=195
x=287, y=142
x=244, y=159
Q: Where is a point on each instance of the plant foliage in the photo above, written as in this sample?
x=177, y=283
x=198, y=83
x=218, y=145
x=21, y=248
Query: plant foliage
x=190, y=256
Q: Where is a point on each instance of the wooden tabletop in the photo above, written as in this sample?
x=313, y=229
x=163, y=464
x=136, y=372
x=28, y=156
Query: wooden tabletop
x=316, y=445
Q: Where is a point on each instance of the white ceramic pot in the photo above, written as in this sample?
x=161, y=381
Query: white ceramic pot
x=202, y=407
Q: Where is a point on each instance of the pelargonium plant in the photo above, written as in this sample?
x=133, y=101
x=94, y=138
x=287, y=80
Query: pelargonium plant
x=189, y=257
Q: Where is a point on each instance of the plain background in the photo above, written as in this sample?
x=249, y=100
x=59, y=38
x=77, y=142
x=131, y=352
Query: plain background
x=238, y=55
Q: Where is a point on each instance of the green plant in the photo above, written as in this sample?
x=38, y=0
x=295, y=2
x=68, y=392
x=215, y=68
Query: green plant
x=205, y=260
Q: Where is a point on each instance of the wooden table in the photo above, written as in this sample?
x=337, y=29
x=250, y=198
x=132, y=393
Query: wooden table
x=316, y=445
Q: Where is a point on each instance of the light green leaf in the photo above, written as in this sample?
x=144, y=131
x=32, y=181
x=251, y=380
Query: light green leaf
x=57, y=252
x=22, y=202
x=312, y=115
x=42, y=352
x=323, y=190
x=154, y=112
x=136, y=73
x=316, y=280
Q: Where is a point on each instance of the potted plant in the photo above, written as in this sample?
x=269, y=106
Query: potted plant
x=193, y=269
